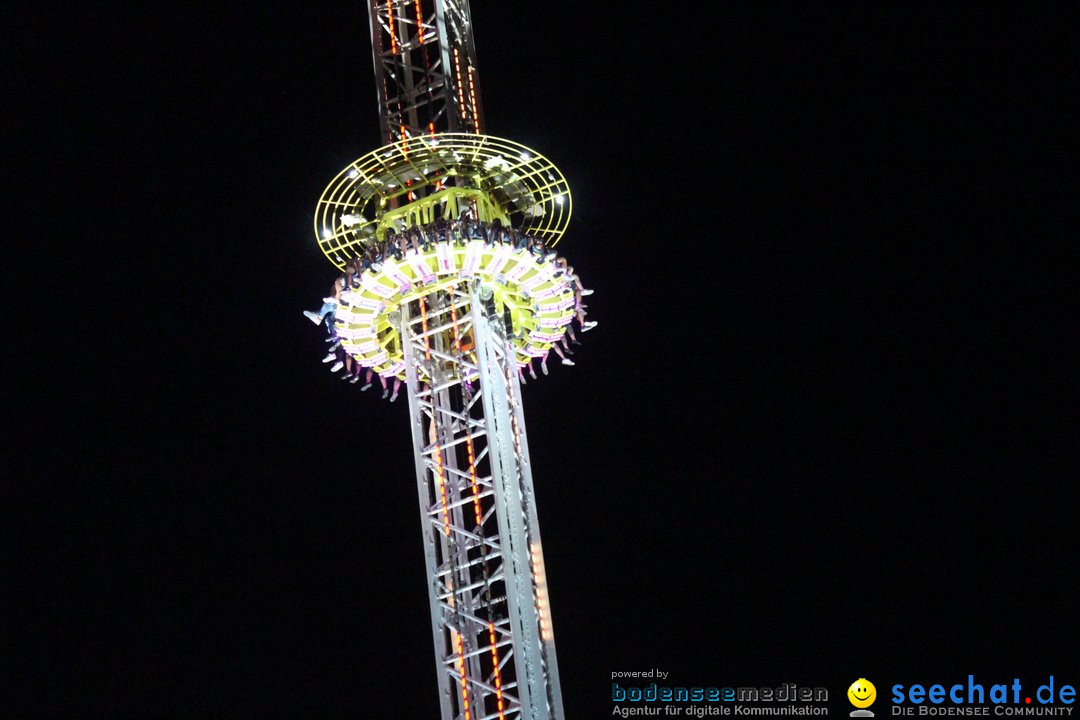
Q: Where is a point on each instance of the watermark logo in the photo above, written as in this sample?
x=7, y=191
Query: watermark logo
x=862, y=695
x=974, y=698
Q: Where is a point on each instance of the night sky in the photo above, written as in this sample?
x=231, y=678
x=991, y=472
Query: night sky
x=820, y=433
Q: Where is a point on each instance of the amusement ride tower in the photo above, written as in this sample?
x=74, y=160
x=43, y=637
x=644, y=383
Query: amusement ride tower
x=449, y=232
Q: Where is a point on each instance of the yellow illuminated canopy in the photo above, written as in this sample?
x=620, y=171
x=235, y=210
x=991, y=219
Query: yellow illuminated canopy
x=412, y=181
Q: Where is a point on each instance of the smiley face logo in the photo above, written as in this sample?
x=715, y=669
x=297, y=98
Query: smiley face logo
x=862, y=693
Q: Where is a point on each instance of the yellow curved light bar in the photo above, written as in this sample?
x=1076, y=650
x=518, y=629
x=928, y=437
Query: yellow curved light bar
x=514, y=183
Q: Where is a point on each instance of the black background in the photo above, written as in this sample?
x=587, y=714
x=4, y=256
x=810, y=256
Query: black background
x=820, y=433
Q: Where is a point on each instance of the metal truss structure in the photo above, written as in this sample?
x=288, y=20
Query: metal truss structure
x=425, y=67
x=491, y=619
x=445, y=320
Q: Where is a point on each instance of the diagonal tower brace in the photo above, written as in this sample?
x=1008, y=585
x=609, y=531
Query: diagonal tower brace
x=491, y=618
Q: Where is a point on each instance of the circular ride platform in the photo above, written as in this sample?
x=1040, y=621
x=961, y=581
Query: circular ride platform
x=536, y=293
x=409, y=184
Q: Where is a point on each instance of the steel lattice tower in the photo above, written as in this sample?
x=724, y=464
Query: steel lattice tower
x=455, y=321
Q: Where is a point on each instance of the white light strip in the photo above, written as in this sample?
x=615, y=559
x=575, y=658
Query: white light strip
x=419, y=264
x=545, y=293
x=362, y=348
x=392, y=370
x=391, y=268
x=373, y=361
x=555, y=307
x=474, y=252
x=446, y=258
x=372, y=284
x=357, y=300
x=550, y=336
x=535, y=281
x=523, y=266
x=498, y=262
x=555, y=322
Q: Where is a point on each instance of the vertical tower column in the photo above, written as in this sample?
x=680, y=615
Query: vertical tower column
x=526, y=580
x=425, y=67
x=491, y=621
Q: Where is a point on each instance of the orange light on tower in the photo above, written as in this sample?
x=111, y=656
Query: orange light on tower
x=497, y=673
x=463, y=110
x=472, y=99
x=392, y=24
x=419, y=23
x=459, y=649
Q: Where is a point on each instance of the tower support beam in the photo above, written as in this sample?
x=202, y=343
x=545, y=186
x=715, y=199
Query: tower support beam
x=427, y=315
x=425, y=67
x=490, y=617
